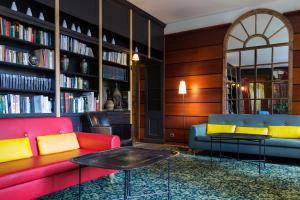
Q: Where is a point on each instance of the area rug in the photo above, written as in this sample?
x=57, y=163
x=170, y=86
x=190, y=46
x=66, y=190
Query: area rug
x=193, y=178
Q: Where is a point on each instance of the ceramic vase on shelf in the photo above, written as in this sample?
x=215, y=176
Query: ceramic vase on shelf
x=84, y=66
x=64, y=62
x=109, y=105
x=117, y=97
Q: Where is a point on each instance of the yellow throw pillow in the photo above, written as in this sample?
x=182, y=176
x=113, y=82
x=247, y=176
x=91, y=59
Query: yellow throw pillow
x=57, y=143
x=252, y=130
x=289, y=132
x=220, y=128
x=14, y=149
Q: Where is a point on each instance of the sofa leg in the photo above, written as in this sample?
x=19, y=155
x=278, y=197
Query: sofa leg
x=111, y=177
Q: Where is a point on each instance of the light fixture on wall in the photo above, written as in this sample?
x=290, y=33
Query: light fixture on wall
x=182, y=91
x=135, y=56
x=182, y=88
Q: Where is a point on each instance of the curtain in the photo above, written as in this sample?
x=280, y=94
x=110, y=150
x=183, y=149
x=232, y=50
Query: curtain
x=260, y=94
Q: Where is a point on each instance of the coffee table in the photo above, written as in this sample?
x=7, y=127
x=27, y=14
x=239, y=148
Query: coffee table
x=259, y=139
x=126, y=159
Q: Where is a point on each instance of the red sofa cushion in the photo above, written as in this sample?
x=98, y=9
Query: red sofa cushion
x=24, y=170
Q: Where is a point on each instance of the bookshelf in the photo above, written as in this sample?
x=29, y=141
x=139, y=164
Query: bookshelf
x=26, y=84
x=115, y=68
x=79, y=87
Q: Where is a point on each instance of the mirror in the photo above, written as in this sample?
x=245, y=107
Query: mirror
x=257, y=63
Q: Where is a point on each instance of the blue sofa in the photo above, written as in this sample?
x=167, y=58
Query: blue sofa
x=198, y=140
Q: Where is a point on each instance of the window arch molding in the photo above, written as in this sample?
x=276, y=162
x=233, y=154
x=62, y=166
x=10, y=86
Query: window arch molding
x=258, y=37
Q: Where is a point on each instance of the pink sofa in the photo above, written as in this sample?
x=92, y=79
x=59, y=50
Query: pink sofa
x=40, y=175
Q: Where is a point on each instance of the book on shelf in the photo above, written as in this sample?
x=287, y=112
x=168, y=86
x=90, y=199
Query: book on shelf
x=19, y=104
x=18, y=56
x=116, y=57
x=115, y=73
x=25, y=82
x=73, y=82
x=45, y=57
x=86, y=102
x=70, y=44
x=19, y=31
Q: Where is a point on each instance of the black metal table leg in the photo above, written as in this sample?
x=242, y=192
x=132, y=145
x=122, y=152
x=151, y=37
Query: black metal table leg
x=79, y=183
x=129, y=183
x=169, y=189
x=211, y=139
x=264, y=154
x=259, y=161
x=126, y=185
x=238, y=149
x=220, y=149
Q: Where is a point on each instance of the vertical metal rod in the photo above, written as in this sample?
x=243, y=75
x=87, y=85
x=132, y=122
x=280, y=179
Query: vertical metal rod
x=125, y=185
x=259, y=161
x=264, y=153
x=211, y=148
x=169, y=177
x=79, y=183
x=129, y=183
x=100, y=56
x=220, y=150
x=238, y=149
x=57, y=58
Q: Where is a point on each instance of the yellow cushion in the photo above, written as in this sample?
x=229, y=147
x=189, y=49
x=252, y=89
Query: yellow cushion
x=57, y=143
x=290, y=132
x=220, y=128
x=14, y=149
x=252, y=130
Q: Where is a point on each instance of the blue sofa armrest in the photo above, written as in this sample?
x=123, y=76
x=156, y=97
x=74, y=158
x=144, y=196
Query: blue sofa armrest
x=195, y=131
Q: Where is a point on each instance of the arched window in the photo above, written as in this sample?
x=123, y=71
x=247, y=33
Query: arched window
x=258, y=64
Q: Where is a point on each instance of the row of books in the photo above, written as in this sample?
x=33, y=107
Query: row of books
x=115, y=73
x=17, y=104
x=70, y=44
x=11, y=55
x=22, y=32
x=73, y=82
x=86, y=102
x=120, y=58
x=25, y=82
x=45, y=58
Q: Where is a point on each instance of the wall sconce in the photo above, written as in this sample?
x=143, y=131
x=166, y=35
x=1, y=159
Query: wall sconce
x=182, y=88
x=182, y=91
x=135, y=56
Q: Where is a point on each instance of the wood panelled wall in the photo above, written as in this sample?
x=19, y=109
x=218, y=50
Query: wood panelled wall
x=197, y=57
x=294, y=18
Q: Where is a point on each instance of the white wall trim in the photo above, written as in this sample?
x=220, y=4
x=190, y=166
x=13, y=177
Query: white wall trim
x=281, y=6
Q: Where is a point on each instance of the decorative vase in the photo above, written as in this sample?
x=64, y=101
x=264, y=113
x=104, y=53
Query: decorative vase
x=29, y=12
x=78, y=29
x=65, y=63
x=14, y=6
x=89, y=33
x=109, y=105
x=117, y=97
x=84, y=66
x=73, y=27
x=64, y=24
x=41, y=16
x=33, y=60
x=104, y=38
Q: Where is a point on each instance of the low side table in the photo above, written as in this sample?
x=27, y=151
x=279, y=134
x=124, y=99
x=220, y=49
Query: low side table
x=126, y=159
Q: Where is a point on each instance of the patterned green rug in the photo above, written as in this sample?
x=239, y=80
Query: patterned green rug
x=194, y=178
